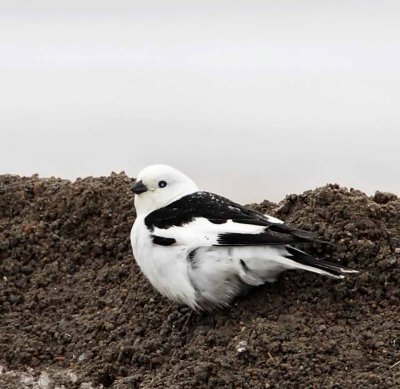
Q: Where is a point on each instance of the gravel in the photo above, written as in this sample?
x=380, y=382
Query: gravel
x=75, y=311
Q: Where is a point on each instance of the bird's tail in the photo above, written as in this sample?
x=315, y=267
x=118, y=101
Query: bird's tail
x=305, y=261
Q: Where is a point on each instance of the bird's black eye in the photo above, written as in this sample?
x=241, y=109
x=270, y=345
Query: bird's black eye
x=162, y=184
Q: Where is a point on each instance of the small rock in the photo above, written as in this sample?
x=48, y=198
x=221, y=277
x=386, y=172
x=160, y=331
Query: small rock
x=384, y=197
x=241, y=347
x=85, y=356
x=27, y=269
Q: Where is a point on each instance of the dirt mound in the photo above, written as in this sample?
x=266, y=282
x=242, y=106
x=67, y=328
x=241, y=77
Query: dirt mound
x=75, y=309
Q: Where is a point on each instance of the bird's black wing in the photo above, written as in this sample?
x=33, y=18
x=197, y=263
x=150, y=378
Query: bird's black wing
x=225, y=213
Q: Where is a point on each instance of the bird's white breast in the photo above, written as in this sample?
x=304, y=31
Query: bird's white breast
x=165, y=267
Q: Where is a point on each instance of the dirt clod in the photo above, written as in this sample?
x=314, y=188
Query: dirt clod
x=76, y=311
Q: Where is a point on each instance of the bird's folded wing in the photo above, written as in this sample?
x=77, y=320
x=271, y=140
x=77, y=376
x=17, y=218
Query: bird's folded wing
x=205, y=219
x=203, y=232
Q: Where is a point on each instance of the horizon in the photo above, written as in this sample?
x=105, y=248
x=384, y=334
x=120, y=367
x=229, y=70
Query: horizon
x=256, y=201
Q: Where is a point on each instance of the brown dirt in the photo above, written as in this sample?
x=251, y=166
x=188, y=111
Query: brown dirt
x=75, y=309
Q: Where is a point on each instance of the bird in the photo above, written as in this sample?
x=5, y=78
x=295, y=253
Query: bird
x=202, y=250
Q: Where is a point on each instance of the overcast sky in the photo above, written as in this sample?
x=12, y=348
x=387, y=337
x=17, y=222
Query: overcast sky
x=252, y=99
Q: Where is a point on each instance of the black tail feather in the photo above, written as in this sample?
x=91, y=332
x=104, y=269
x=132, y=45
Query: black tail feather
x=333, y=269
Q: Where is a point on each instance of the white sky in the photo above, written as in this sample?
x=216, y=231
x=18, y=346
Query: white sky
x=252, y=99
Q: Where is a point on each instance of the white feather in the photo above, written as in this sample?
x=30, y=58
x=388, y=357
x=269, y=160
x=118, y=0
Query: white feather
x=165, y=267
x=201, y=232
x=272, y=219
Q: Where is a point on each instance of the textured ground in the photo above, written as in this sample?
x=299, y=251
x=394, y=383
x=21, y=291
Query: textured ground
x=75, y=312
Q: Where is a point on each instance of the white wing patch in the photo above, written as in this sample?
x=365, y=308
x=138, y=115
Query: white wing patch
x=272, y=219
x=201, y=232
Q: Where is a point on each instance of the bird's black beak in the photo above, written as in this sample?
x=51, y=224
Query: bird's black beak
x=138, y=187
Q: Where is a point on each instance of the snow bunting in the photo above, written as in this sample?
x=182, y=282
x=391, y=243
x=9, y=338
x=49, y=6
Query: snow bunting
x=202, y=250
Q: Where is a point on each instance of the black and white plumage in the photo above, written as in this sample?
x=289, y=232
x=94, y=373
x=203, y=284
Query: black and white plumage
x=202, y=249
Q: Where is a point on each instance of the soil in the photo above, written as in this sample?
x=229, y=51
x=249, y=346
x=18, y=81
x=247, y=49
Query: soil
x=75, y=311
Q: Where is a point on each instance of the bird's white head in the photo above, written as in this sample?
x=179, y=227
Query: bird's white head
x=159, y=185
